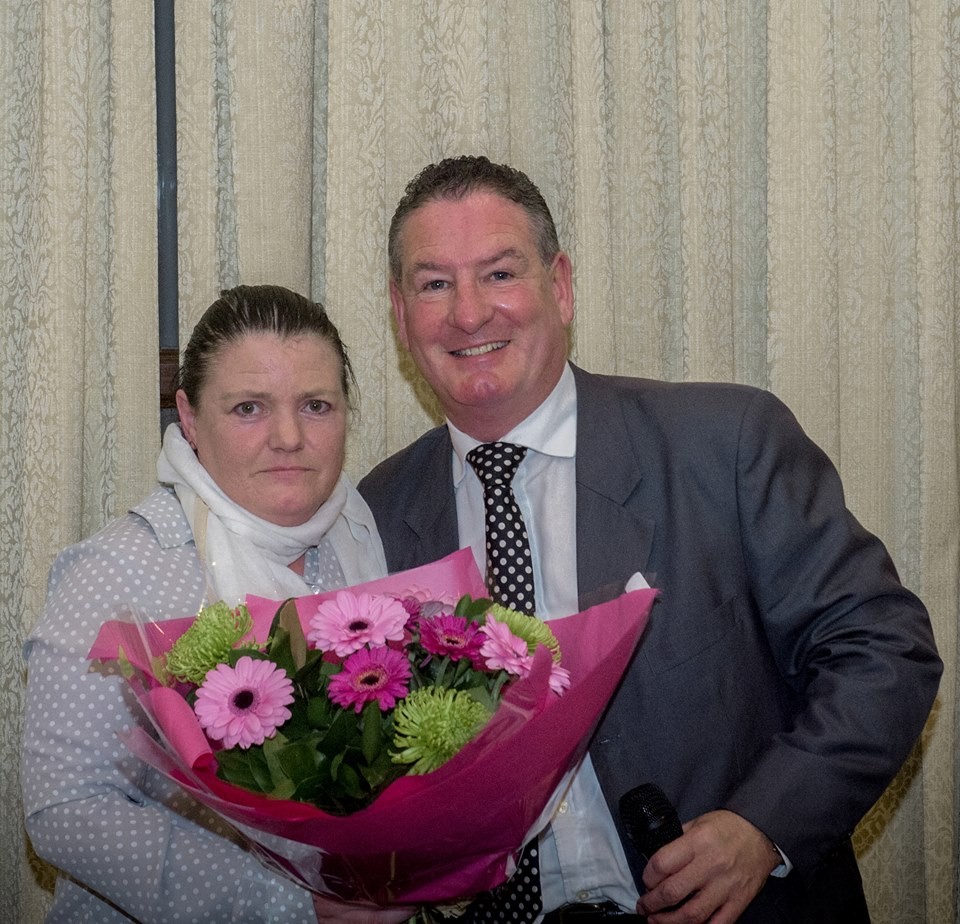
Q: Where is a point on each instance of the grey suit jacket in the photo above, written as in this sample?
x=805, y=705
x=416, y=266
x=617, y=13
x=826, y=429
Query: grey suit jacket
x=785, y=672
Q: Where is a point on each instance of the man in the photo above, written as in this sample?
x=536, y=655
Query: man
x=785, y=672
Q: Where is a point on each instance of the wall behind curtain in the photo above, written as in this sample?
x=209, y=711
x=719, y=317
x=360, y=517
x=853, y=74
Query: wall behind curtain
x=751, y=192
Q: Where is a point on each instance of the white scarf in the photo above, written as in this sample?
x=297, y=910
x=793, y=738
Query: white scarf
x=244, y=554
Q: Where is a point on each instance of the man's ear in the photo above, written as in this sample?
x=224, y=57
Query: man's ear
x=561, y=278
x=399, y=312
x=188, y=421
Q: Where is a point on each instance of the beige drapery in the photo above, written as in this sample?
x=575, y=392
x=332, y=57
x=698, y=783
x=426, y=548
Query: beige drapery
x=761, y=193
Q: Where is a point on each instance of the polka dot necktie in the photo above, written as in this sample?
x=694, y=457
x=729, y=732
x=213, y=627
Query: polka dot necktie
x=509, y=565
x=510, y=582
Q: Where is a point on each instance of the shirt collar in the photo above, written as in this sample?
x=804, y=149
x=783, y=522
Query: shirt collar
x=551, y=429
x=163, y=512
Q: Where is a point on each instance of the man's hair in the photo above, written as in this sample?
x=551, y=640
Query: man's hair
x=254, y=310
x=458, y=177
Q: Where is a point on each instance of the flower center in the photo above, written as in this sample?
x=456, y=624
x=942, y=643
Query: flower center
x=243, y=699
x=371, y=679
x=358, y=625
x=454, y=641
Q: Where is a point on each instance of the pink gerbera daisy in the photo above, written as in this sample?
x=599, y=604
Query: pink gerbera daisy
x=445, y=634
x=350, y=621
x=369, y=674
x=559, y=679
x=502, y=650
x=244, y=704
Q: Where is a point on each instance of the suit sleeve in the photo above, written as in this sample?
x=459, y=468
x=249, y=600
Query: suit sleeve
x=854, y=645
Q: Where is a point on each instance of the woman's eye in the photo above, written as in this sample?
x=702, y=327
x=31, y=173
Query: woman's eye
x=318, y=406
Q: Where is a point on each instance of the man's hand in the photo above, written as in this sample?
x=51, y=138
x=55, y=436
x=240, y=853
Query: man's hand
x=330, y=911
x=719, y=865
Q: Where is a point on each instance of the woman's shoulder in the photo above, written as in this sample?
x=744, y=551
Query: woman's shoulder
x=150, y=544
x=157, y=519
x=133, y=562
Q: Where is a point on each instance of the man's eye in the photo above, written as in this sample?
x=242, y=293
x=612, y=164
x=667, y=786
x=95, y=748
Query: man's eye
x=246, y=408
x=435, y=285
x=501, y=275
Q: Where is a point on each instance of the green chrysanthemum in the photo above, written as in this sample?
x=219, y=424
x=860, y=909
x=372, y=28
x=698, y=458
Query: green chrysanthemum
x=532, y=630
x=208, y=642
x=431, y=725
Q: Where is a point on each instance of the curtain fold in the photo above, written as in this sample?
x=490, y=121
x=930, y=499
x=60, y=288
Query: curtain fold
x=763, y=193
x=78, y=316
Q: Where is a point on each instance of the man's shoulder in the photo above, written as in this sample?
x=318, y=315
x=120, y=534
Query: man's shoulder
x=662, y=398
x=422, y=459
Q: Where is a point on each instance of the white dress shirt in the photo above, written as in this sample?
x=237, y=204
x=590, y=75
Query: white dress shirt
x=581, y=857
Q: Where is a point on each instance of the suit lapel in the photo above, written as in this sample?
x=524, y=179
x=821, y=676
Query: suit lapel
x=432, y=519
x=614, y=537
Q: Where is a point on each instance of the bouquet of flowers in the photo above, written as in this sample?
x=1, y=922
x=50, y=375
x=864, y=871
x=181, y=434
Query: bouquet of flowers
x=367, y=741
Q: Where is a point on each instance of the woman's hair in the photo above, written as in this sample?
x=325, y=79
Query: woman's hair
x=255, y=310
x=458, y=177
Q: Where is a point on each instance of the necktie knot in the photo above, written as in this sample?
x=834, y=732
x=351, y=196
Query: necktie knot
x=509, y=562
x=496, y=463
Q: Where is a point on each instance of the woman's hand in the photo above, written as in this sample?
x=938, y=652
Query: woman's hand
x=330, y=911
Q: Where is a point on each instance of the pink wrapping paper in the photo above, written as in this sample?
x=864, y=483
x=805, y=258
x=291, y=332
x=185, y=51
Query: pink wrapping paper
x=431, y=838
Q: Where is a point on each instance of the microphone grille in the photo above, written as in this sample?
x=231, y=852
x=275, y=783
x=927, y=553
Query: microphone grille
x=649, y=818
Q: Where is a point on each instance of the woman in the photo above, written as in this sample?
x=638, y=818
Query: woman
x=252, y=499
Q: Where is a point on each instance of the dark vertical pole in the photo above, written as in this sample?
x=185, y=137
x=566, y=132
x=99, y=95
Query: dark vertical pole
x=167, y=267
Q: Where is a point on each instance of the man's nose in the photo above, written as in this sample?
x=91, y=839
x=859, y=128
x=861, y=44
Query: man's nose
x=470, y=309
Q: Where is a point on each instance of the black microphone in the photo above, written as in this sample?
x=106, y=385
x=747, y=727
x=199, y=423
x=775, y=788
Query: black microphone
x=651, y=822
x=649, y=819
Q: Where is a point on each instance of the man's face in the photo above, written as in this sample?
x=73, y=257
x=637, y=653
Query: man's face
x=483, y=318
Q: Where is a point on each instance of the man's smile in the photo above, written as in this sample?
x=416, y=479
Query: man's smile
x=480, y=350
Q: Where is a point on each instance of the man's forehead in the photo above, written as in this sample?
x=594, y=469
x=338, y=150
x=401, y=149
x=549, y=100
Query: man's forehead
x=481, y=214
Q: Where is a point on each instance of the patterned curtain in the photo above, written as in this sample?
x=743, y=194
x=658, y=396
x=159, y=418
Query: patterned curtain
x=78, y=329
x=764, y=193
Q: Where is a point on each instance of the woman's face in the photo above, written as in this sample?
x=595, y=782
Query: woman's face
x=270, y=424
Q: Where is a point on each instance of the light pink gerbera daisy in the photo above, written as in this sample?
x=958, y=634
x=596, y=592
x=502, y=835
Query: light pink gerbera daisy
x=369, y=674
x=244, y=704
x=559, y=679
x=350, y=621
x=446, y=634
x=502, y=650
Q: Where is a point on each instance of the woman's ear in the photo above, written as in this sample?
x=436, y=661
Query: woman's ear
x=188, y=423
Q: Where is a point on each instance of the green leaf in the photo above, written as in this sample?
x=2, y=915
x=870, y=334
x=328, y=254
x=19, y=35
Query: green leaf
x=473, y=610
x=350, y=781
x=320, y=711
x=288, y=619
x=280, y=652
x=372, y=737
x=299, y=760
x=272, y=748
x=343, y=730
x=246, y=768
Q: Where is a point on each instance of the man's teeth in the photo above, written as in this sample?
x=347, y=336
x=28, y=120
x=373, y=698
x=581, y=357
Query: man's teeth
x=480, y=350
